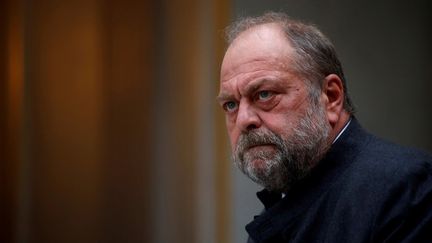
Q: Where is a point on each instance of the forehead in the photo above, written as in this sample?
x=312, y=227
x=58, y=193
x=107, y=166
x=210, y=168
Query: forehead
x=263, y=46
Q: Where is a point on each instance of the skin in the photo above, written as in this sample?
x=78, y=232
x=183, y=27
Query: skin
x=258, y=88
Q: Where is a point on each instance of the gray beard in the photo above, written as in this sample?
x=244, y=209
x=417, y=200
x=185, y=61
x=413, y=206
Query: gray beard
x=290, y=158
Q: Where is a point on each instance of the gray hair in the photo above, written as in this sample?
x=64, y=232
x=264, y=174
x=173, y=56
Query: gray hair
x=315, y=56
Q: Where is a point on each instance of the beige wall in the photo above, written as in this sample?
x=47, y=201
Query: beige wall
x=105, y=108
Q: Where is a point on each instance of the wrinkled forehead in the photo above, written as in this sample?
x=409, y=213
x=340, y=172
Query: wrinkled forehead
x=263, y=44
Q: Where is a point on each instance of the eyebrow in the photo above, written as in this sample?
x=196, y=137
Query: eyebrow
x=251, y=87
x=224, y=96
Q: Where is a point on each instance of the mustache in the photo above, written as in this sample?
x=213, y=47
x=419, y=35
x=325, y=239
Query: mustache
x=257, y=138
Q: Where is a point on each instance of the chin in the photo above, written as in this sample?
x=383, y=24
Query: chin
x=259, y=164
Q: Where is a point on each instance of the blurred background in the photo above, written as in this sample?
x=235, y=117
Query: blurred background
x=109, y=129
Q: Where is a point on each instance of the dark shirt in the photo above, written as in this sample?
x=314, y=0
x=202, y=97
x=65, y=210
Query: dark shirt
x=364, y=190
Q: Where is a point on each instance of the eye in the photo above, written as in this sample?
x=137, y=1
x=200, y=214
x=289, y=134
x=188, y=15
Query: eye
x=230, y=106
x=264, y=95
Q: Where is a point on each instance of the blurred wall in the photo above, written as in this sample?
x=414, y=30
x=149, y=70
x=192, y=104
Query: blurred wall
x=109, y=126
x=385, y=48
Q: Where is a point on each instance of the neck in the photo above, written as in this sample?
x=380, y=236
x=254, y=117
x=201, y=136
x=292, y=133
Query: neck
x=339, y=125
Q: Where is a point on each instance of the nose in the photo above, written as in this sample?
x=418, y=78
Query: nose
x=247, y=118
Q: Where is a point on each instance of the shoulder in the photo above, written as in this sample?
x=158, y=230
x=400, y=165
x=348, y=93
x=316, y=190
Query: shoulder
x=401, y=179
x=388, y=186
x=381, y=166
x=391, y=162
x=376, y=159
x=379, y=174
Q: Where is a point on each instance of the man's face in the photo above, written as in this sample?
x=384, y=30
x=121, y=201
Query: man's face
x=276, y=132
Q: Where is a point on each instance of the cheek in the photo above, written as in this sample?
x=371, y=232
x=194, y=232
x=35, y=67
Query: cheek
x=278, y=123
x=232, y=133
x=233, y=143
x=283, y=118
x=233, y=140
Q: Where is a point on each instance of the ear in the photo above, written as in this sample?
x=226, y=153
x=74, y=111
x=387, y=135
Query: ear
x=333, y=94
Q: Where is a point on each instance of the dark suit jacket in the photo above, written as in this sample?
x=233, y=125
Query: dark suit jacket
x=364, y=190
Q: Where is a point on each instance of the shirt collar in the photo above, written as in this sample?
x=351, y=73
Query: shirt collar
x=343, y=130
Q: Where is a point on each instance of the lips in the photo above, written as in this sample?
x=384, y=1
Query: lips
x=259, y=146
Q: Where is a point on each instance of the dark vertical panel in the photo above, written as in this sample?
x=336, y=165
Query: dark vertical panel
x=180, y=73
x=222, y=13
x=90, y=74
x=64, y=75
x=11, y=102
x=129, y=54
x=6, y=194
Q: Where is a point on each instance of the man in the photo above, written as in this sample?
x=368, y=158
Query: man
x=292, y=130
